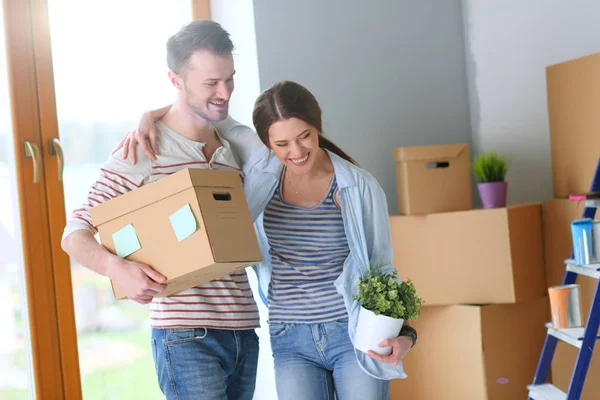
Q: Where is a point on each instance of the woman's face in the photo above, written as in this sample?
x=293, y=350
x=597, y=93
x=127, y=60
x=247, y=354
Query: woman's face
x=295, y=144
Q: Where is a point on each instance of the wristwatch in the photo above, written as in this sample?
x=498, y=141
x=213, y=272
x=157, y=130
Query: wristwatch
x=410, y=332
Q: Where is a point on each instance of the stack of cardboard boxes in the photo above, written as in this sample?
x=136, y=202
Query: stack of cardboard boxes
x=573, y=99
x=484, y=274
x=481, y=274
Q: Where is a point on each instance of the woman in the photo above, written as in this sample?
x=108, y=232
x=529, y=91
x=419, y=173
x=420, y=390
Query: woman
x=321, y=221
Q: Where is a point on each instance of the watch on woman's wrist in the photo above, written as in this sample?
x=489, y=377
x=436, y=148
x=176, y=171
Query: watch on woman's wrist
x=410, y=332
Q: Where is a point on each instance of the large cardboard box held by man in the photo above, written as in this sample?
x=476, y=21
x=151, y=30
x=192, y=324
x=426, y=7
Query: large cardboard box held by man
x=558, y=215
x=432, y=179
x=573, y=97
x=193, y=226
x=474, y=352
x=472, y=257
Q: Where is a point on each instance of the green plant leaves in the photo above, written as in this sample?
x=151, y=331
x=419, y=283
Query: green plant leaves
x=490, y=167
x=381, y=293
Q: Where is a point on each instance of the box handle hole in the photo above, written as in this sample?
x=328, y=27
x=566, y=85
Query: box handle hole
x=438, y=164
x=222, y=196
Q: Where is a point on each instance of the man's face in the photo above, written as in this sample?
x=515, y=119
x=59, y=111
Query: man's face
x=207, y=84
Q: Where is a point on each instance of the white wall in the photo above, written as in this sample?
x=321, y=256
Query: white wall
x=387, y=73
x=509, y=44
x=237, y=17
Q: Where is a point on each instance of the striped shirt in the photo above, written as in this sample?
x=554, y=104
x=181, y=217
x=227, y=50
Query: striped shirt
x=308, y=250
x=225, y=303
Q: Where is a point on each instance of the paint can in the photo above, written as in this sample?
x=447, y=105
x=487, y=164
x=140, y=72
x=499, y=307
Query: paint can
x=565, y=306
x=583, y=247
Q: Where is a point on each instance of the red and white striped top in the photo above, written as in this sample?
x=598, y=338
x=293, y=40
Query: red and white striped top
x=225, y=303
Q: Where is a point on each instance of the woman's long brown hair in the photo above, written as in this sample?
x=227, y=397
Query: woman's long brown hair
x=286, y=100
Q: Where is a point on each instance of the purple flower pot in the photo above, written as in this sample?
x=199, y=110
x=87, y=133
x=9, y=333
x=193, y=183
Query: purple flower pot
x=493, y=194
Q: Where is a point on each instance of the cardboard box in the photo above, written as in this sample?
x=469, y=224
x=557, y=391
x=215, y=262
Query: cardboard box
x=472, y=257
x=573, y=98
x=432, y=179
x=224, y=239
x=558, y=215
x=474, y=352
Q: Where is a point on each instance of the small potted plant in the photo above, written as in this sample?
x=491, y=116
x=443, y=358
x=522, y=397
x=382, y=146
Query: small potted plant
x=490, y=170
x=385, y=304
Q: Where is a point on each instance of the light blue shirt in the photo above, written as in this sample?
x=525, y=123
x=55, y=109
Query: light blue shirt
x=366, y=224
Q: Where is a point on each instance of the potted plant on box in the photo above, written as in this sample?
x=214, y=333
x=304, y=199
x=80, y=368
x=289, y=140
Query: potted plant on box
x=385, y=304
x=490, y=170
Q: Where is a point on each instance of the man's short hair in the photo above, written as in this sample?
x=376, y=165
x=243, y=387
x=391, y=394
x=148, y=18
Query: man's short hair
x=196, y=35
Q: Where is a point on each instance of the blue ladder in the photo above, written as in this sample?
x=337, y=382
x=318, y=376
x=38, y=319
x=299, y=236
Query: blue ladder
x=582, y=338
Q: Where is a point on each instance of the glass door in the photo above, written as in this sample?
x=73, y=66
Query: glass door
x=109, y=63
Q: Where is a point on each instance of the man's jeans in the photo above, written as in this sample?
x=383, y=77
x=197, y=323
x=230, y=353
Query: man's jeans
x=314, y=361
x=207, y=364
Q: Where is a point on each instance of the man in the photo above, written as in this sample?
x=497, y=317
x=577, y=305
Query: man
x=203, y=339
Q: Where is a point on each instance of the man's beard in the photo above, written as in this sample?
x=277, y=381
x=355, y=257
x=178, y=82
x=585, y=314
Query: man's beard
x=203, y=113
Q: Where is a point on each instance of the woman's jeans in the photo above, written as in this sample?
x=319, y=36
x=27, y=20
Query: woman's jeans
x=314, y=361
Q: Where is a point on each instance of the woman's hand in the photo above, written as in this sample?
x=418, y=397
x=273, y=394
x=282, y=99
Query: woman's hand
x=400, y=346
x=145, y=131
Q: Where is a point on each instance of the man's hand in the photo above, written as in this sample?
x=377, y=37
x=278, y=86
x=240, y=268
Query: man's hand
x=400, y=346
x=138, y=281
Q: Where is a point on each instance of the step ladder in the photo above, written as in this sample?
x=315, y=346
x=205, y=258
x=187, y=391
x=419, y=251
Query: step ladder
x=582, y=338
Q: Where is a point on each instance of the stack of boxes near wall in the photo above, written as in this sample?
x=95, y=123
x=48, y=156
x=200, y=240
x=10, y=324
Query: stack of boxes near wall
x=574, y=113
x=481, y=274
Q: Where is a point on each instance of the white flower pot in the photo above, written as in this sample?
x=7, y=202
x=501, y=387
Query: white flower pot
x=373, y=329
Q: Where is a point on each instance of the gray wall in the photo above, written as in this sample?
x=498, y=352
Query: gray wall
x=386, y=76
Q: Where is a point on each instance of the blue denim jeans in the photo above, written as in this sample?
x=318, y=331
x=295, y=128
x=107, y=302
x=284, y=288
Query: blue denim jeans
x=314, y=361
x=207, y=364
